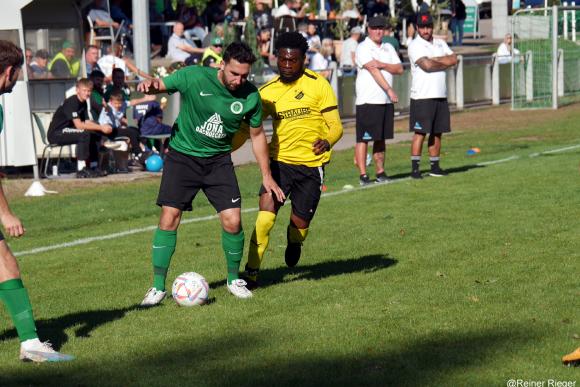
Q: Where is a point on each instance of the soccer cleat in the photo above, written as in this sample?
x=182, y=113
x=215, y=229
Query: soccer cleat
x=437, y=172
x=42, y=352
x=416, y=175
x=364, y=180
x=572, y=359
x=153, y=297
x=382, y=178
x=251, y=277
x=238, y=288
x=292, y=254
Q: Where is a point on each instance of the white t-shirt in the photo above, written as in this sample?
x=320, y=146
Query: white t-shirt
x=173, y=52
x=427, y=85
x=368, y=90
x=348, y=46
x=318, y=62
x=107, y=62
x=505, y=56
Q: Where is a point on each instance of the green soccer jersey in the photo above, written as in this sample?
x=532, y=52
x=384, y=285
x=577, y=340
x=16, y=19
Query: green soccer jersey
x=210, y=114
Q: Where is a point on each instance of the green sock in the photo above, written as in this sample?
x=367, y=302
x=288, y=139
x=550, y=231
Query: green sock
x=163, y=248
x=233, y=245
x=15, y=296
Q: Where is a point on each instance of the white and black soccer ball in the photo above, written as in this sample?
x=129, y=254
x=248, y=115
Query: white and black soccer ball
x=190, y=289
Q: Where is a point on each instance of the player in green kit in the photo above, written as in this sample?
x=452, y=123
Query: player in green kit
x=214, y=103
x=12, y=292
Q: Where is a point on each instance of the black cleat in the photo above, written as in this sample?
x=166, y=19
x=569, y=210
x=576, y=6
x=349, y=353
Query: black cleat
x=364, y=180
x=292, y=254
x=416, y=175
x=382, y=178
x=437, y=172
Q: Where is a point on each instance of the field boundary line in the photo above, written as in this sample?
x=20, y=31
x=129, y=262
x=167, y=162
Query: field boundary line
x=121, y=234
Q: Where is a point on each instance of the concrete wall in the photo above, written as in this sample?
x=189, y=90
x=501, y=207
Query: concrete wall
x=501, y=22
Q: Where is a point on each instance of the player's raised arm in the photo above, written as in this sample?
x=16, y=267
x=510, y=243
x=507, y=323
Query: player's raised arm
x=260, y=149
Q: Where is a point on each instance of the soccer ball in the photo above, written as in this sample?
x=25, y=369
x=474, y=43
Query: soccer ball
x=190, y=289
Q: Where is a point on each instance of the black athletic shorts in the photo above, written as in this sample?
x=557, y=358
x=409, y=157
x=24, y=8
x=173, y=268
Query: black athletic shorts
x=303, y=185
x=430, y=116
x=374, y=122
x=184, y=175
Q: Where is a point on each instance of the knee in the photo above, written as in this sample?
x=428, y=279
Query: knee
x=170, y=218
x=232, y=225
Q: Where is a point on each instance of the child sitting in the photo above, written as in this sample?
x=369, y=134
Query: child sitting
x=149, y=116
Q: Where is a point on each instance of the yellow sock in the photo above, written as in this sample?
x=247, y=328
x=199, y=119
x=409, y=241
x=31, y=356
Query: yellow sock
x=259, y=240
x=296, y=235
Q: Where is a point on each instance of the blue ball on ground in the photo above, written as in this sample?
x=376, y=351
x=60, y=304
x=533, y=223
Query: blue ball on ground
x=154, y=163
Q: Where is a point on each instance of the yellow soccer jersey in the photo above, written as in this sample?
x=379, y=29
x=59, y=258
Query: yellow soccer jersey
x=296, y=110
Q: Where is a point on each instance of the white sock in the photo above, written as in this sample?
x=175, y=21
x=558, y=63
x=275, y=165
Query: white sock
x=31, y=344
x=81, y=164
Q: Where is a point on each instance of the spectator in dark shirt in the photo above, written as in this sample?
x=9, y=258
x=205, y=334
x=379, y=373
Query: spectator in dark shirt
x=457, y=20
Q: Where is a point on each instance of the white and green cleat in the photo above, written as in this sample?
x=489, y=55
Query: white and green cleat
x=238, y=288
x=39, y=352
x=153, y=297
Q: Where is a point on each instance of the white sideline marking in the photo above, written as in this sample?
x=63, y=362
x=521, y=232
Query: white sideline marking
x=555, y=150
x=85, y=241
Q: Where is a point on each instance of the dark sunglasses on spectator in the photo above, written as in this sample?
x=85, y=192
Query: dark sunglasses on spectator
x=218, y=45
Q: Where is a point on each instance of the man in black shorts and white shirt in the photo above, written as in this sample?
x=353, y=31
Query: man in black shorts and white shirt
x=429, y=109
x=375, y=96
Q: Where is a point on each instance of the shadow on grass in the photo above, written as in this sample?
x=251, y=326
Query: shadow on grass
x=84, y=322
x=322, y=270
x=423, y=360
x=451, y=171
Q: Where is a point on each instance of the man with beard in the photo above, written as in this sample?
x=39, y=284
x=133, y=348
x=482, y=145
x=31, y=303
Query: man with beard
x=429, y=109
x=306, y=126
x=214, y=103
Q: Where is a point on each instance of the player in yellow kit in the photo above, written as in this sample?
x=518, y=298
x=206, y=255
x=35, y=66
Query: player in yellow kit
x=304, y=110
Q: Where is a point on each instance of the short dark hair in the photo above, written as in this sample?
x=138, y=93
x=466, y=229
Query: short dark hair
x=117, y=94
x=118, y=70
x=10, y=55
x=96, y=74
x=292, y=40
x=239, y=51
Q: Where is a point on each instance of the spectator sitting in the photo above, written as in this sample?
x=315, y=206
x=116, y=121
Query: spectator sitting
x=292, y=8
x=180, y=50
x=114, y=115
x=101, y=18
x=347, y=55
x=319, y=61
x=263, y=16
x=91, y=59
x=192, y=23
x=120, y=85
x=114, y=59
x=351, y=14
x=118, y=15
x=97, y=95
x=70, y=125
x=506, y=53
x=64, y=64
x=312, y=37
x=38, y=67
x=212, y=56
x=149, y=116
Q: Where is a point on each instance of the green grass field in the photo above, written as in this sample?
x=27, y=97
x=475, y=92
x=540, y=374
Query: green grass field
x=469, y=280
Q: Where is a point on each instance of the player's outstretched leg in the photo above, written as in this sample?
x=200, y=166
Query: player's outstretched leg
x=295, y=238
x=233, y=245
x=15, y=296
x=572, y=359
x=258, y=245
x=163, y=248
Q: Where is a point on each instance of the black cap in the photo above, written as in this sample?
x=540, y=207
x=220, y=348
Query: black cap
x=377, y=22
x=424, y=20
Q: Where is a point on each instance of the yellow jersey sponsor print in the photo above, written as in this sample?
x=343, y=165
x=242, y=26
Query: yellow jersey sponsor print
x=296, y=109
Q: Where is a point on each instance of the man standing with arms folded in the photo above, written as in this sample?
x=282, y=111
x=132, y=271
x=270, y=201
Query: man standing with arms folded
x=306, y=126
x=429, y=109
x=214, y=103
x=12, y=292
x=375, y=97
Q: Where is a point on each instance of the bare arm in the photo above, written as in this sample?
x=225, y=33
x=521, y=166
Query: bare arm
x=145, y=98
x=191, y=49
x=260, y=148
x=131, y=66
x=152, y=86
x=11, y=223
x=90, y=125
x=378, y=77
x=440, y=63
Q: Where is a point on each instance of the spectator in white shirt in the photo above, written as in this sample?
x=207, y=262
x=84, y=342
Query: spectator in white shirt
x=179, y=49
x=506, y=53
x=347, y=55
x=289, y=9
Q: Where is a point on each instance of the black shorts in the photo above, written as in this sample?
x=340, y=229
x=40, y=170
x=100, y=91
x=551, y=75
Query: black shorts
x=303, y=185
x=374, y=122
x=430, y=116
x=184, y=175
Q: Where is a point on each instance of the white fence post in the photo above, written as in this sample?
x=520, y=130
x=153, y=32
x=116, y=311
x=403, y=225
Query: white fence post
x=494, y=80
x=459, y=99
x=555, y=56
x=573, y=32
x=560, y=73
x=565, y=25
x=529, y=76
